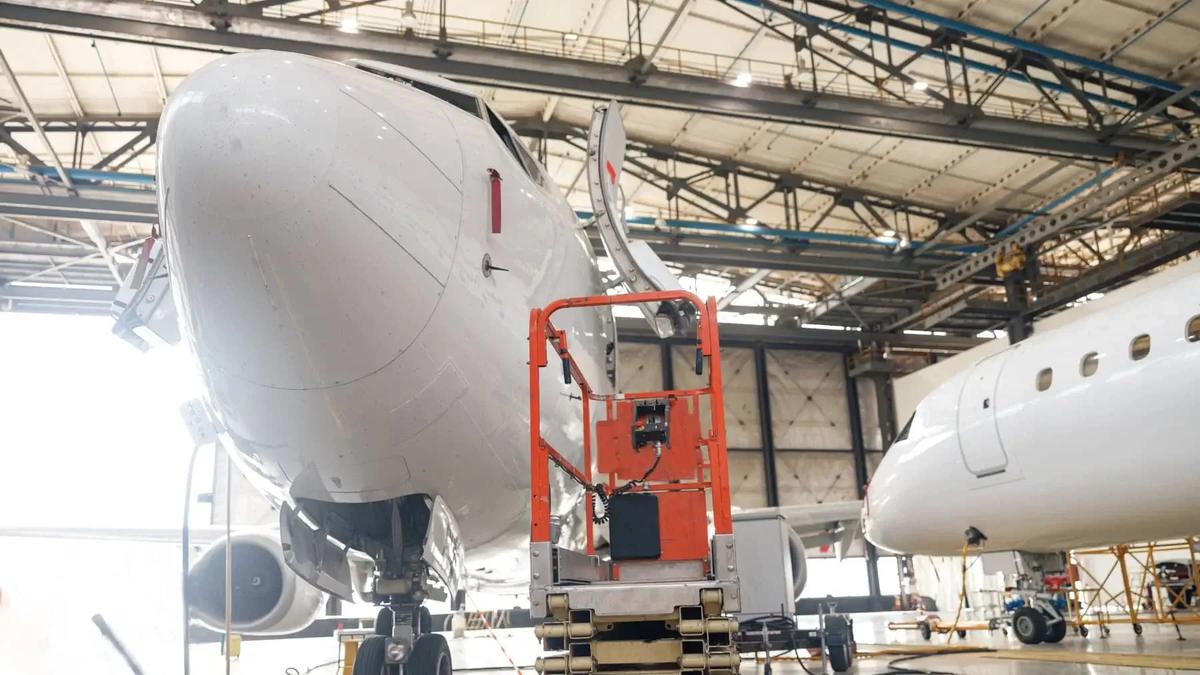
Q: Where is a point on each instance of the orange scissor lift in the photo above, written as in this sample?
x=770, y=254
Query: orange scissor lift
x=658, y=601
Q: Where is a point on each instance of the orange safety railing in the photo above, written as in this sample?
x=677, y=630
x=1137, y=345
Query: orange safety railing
x=712, y=471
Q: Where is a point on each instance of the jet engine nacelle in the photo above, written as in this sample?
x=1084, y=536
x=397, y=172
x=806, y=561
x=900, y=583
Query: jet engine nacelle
x=799, y=563
x=269, y=599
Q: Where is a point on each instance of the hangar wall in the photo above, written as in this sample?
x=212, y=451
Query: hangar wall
x=809, y=427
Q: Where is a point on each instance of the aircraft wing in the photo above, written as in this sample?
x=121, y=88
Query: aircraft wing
x=831, y=523
x=199, y=536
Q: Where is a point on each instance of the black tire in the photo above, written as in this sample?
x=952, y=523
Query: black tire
x=926, y=630
x=430, y=656
x=424, y=621
x=962, y=634
x=1055, y=632
x=1029, y=625
x=384, y=621
x=369, y=660
x=841, y=658
x=1083, y=631
x=1137, y=629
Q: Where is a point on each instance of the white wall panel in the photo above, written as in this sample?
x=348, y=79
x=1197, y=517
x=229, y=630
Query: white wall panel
x=746, y=486
x=741, y=396
x=815, y=477
x=639, y=367
x=808, y=399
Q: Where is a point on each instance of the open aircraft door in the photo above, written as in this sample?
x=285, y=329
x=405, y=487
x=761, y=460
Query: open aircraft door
x=978, y=435
x=638, y=267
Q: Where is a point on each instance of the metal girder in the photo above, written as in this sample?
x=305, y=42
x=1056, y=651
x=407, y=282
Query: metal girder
x=731, y=252
x=1116, y=271
x=1002, y=56
x=145, y=134
x=190, y=26
x=708, y=165
x=20, y=200
x=743, y=335
x=1140, y=178
x=22, y=151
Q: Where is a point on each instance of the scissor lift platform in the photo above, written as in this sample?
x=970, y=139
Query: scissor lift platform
x=658, y=601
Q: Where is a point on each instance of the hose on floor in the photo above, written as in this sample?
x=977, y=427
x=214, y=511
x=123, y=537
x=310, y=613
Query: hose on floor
x=962, y=595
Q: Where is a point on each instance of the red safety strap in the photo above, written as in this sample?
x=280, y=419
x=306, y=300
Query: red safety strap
x=494, y=175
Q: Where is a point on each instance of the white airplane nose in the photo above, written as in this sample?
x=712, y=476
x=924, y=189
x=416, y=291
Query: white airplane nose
x=311, y=213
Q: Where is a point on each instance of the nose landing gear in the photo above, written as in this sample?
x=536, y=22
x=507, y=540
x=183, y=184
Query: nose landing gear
x=387, y=652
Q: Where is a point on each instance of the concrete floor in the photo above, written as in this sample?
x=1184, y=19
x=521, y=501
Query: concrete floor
x=479, y=653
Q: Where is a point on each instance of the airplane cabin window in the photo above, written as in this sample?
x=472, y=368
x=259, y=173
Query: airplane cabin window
x=1045, y=378
x=465, y=102
x=1090, y=364
x=1140, y=347
x=1193, y=329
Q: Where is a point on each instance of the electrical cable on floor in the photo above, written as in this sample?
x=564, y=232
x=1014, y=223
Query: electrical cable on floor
x=488, y=625
x=895, y=669
x=962, y=595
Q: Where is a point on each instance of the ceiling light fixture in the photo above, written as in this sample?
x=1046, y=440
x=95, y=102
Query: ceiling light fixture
x=349, y=24
x=743, y=79
x=571, y=37
x=889, y=233
x=752, y=221
x=920, y=85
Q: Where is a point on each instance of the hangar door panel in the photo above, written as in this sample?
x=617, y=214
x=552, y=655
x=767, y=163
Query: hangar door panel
x=978, y=435
x=741, y=392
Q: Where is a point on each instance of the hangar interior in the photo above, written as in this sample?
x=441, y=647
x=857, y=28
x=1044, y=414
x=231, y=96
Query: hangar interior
x=878, y=194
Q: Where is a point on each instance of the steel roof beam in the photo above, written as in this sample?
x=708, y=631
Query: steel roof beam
x=740, y=335
x=1116, y=271
x=191, y=26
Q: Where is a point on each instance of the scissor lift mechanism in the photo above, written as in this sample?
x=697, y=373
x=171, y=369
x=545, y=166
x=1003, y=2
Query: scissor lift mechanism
x=660, y=610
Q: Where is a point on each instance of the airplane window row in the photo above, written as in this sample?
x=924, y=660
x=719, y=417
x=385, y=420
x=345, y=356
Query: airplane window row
x=1139, y=348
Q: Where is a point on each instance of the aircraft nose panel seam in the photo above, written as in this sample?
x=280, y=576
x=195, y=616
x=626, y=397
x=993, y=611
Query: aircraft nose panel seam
x=384, y=230
x=457, y=187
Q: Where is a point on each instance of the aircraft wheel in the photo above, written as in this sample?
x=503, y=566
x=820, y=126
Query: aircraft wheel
x=370, y=658
x=430, y=656
x=926, y=631
x=1055, y=632
x=384, y=621
x=1083, y=631
x=841, y=658
x=1029, y=625
x=962, y=634
x=1137, y=629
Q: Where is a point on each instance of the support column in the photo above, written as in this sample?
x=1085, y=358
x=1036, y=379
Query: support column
x=668, y=365
x=766, y=433
x=885, y=408
x=1016, y=291
x=860, y=470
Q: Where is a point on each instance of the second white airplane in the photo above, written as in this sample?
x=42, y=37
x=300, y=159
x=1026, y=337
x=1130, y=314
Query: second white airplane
x=1082, y=435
